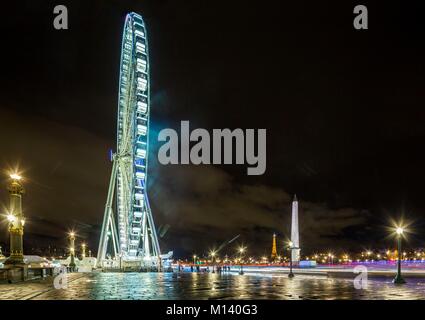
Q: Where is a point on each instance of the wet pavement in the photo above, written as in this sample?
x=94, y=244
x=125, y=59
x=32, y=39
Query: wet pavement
x=147, y=286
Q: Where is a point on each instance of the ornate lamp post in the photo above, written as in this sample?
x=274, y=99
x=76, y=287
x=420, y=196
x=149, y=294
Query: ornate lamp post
x=16, y=221
x=72, y=250
x=213, y=253
x=398, y=278
x=331, y=259
x=290, y=248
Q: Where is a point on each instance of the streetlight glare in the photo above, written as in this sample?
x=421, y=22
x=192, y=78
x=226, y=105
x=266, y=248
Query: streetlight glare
x=399, y=230
x=15, y=176
x=11, y=217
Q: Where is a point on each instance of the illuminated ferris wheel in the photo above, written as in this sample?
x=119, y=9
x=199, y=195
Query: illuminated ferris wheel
x=128, y=229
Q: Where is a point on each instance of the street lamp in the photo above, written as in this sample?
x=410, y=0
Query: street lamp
x=398, y=278
x=16, y=221
x=194, y=259
x=331, y=258
x=15, y=176
x=213, y=254
x=241, y=252
x=11, y=218
x=83, y=247
x=72, y=250
x=290, y=248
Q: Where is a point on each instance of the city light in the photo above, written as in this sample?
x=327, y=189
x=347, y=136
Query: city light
x=15, y=176
x=11, y=218
x=399, y=230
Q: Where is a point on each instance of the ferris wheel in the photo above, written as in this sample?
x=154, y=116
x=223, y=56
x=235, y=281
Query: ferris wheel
x=128, y=230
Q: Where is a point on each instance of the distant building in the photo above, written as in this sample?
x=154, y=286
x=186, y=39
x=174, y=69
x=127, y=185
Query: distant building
x=274, y=249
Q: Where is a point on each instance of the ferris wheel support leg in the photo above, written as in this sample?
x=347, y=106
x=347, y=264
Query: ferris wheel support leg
x=103, y=243
x=146, y=242
x=115, y=245
x=154, y=237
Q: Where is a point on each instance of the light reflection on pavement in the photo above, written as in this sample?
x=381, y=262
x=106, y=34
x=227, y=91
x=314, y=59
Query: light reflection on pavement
x=148, y=286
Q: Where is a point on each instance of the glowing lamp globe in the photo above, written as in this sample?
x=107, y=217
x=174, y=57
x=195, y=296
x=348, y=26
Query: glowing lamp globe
x=15, y=176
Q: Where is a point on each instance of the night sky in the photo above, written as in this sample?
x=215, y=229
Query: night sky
x=344, y=113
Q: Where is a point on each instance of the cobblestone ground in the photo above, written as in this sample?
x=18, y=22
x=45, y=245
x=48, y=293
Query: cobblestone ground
x=112, y=286
x=30, y=289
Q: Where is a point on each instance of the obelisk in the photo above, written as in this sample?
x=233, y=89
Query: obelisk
x=295, y=236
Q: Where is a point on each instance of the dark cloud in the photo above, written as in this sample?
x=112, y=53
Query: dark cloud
x=207, y=202
x=66, y=173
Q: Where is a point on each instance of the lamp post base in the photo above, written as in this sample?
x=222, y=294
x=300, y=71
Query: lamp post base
x=398, y=280
x=290, y=275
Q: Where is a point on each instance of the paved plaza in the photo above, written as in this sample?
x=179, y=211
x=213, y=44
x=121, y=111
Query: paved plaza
x=149, y=286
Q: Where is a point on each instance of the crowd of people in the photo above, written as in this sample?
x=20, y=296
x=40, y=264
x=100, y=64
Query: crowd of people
x=199, y=268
